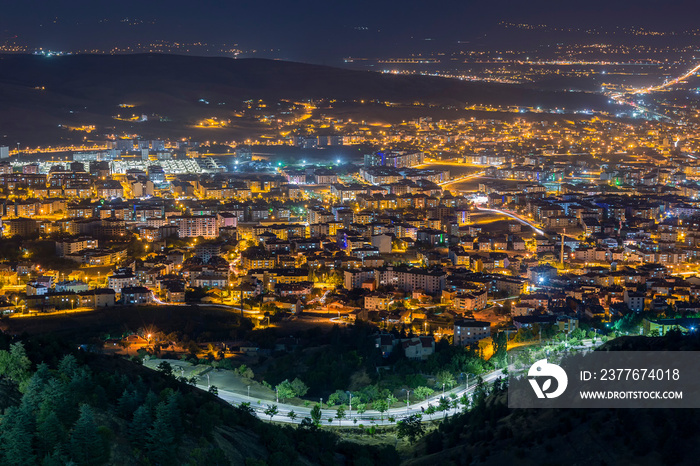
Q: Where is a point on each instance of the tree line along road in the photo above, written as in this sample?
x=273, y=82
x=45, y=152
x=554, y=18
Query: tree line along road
x=352, y=417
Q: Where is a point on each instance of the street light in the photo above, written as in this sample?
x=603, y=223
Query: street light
x=248, y=391
x=407, y=401
x=443, y=389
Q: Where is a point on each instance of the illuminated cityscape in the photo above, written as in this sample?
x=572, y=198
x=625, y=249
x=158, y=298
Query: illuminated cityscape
x=229, y=248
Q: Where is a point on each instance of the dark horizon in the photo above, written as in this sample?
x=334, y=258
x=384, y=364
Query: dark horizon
x=322, y=32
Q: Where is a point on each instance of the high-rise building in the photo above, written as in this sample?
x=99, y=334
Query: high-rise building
x=125, y=145
x=470, y=331
x=156, y=174
x=157, y=145
x=21, y=226
x=395, y=159
x=201, y=225
x=4, y=152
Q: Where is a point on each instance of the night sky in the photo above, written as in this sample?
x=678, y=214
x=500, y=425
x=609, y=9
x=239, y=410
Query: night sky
x=313, y=30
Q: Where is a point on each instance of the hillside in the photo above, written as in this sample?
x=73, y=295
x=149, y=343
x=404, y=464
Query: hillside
x=493, y=434
x=39, y=94
x=59, y=407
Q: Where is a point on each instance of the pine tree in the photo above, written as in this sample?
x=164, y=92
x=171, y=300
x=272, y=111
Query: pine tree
x=151, y=402
x=99, y=396
x=33, y=395
x=86, y=446
x=16, y=439
x=54, y=459
x=57, y=398
x=138, y=428
x=174, y=413
x=58, y=457
x=50, y=434
x=68, y=366
x=128, y=403
x=161, y=443
x=316, y=414
x=15, y=365
x=81, y=384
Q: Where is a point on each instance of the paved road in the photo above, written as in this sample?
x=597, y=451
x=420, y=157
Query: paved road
x=365, y=418
x=515, y=216
x=461, y=178
x=370, y=416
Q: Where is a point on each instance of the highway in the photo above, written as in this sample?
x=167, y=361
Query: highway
x=668, y=83
x=627, y=97
x=364, y=418
x=462, y=178
x=525, y=221
x=517, y=217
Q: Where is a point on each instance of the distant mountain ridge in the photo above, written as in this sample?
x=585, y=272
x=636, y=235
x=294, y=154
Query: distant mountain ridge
x=253, y=77
x=38, y=93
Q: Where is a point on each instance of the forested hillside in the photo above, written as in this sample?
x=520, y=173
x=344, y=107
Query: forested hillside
x=61, y=407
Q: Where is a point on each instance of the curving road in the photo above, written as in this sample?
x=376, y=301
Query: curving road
x=462, y=178
x=512, y=215
x=353, y=418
